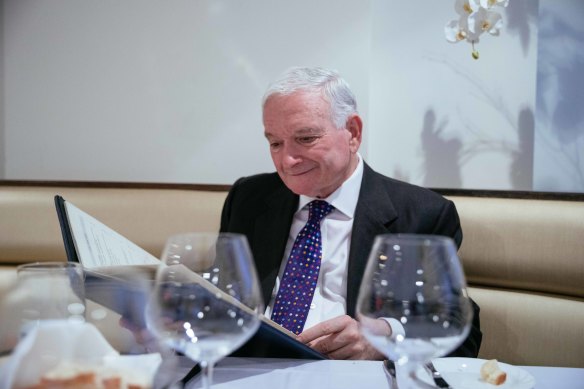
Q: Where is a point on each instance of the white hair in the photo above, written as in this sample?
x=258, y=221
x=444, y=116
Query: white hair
x=328, y=82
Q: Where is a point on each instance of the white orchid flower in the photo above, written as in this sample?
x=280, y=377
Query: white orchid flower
x=454, y=33
x=485, y=21
x=466, y=7
x=457, y=30
x=488, y=4
x=475, y=18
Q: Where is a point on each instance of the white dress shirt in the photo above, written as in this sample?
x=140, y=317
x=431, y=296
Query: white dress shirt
x=330, y=296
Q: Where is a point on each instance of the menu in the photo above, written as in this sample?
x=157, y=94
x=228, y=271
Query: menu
x=119, y=275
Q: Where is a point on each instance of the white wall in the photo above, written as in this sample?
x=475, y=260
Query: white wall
x=143, y=90
x=440, y=118
x=559, y=121
x=160, y=91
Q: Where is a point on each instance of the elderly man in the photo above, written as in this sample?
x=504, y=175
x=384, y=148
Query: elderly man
x=324, y=197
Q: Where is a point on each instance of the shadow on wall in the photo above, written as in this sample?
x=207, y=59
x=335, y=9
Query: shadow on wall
x=520, y=16
x=400, y=174
x=559, y=117
x=444, y=156
x=560, y=86
x=441, y=155
x=522, y=165
x=478, y=138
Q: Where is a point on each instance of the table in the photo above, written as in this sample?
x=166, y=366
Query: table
x=254, y=373
x=244, y=373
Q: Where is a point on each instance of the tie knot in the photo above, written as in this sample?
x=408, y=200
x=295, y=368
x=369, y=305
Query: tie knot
x=318, y=209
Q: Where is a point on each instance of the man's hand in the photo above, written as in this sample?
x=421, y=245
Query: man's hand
x=142, y=336
x=340, y=338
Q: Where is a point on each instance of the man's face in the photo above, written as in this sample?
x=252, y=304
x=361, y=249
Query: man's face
x=311, y=155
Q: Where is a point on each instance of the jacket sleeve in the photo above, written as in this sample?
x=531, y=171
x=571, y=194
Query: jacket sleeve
x=448, y=223
x=470, y=347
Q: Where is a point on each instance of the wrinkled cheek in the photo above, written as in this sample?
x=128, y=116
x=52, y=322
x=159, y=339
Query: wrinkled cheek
x=274, y=158
x=295, y=183
x=277, y=164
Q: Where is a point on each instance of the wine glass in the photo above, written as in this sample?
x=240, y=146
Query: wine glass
x=206, y=300
x=417, y=280
x=50, y=291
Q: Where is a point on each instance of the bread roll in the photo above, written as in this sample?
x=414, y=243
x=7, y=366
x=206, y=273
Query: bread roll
x=76, y=376
x=492, y=374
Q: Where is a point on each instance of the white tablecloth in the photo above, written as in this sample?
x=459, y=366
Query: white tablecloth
x=247, y=373
x=293, y=374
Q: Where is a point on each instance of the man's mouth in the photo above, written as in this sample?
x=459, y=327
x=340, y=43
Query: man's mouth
x=299, y=173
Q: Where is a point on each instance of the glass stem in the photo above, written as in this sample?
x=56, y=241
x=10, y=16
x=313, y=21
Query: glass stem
x=413, y=381
x=207, y=368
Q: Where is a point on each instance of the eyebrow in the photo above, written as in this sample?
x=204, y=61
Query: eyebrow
x=307, y=131
x=300, y=132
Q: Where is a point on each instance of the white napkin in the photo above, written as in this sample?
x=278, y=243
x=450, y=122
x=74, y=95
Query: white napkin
x=56, y=341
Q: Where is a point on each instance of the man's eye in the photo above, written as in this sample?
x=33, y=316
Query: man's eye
x=307, y=139
x=274, y=145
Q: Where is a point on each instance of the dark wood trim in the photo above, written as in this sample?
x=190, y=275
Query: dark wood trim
x=563, y=196
x=510, y=194
x=116, y=185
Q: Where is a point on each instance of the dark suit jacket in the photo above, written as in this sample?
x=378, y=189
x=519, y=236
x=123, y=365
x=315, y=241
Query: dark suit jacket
x=261, y=207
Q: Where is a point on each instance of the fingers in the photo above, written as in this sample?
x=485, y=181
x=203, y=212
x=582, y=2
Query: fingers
x=353, y=350
x=332, y=336
x=341, y=338
x=357, y=350
x=341, y=345
x=141, y=335
x=327, y=327
x=127, y=324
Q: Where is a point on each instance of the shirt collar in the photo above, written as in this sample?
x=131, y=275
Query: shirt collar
x=345, y=197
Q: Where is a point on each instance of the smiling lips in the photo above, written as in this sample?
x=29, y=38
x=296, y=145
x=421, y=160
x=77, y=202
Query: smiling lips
x=295, y=174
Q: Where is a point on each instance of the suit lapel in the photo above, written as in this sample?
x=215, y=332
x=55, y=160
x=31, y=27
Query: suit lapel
x=271, y=231
x=373, y=216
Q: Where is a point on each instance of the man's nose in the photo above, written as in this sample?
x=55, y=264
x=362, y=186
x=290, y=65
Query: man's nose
x=291, y=156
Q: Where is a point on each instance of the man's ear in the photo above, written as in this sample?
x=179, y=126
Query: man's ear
x=355, y=127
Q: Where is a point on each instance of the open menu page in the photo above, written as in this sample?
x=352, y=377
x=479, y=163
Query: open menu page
x=113, y=264
x=99, y=246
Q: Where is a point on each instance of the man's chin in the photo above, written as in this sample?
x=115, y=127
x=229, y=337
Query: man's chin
x=300, y=188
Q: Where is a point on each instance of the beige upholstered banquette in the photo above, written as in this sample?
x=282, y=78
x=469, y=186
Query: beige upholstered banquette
x=523, y=257
x=524, y=262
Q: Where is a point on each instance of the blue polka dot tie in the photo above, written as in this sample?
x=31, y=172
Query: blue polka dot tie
x=301, y=273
